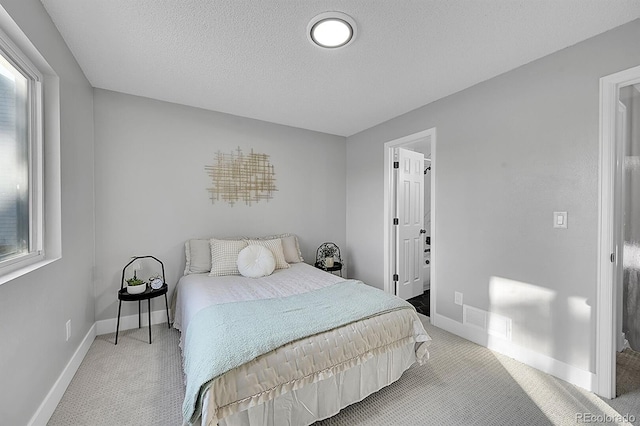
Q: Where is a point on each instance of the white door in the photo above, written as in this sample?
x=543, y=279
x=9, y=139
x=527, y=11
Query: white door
x=410, y=223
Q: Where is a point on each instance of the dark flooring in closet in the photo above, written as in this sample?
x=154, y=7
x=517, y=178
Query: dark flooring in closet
x=421, y=303
x=627, y=371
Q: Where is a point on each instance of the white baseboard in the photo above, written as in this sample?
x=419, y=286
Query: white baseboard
x=559, y=369
x=51, y=401
x=130, y=321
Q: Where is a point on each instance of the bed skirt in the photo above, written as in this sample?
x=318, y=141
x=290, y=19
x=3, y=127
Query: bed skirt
x=326, y=397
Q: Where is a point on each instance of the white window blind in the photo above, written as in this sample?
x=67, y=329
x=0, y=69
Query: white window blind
x=14, y=163
x=21, y=161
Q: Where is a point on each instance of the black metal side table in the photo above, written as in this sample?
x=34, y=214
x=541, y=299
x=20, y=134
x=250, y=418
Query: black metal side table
x=148, y=294
x=329, y=251
x=337, y=266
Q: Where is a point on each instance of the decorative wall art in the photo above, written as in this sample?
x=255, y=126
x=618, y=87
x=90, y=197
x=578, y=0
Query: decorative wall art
x=239, y=177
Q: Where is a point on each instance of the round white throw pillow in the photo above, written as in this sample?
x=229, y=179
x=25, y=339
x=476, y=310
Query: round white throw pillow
x=256, y=261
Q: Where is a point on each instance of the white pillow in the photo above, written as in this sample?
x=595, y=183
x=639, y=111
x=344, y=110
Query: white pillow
x=256, y=261
x=276, y=248
x=198, y=253
x=224, y=257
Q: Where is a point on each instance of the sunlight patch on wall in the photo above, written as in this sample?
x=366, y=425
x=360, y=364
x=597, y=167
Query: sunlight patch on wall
x=530, y=308
x=579, y=309
x=507, y=293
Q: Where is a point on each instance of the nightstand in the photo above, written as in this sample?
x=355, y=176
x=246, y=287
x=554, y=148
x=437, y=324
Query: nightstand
x=147, y=295
x=337, y=266
x=329, y=253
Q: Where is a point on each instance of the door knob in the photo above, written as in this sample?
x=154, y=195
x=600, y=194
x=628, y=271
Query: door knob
x=423, y=231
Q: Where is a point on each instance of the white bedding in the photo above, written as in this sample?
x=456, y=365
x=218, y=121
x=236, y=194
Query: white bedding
x=197, y=291
x=388, y=344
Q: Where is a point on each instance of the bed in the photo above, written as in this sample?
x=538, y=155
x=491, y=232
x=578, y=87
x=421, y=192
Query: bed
x=293, y=379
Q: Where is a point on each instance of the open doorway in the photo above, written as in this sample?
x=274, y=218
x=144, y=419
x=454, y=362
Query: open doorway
x=628, y=278
x=422, y=143
x=618, y=321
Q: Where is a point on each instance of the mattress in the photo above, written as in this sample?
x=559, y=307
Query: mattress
x=395, y=339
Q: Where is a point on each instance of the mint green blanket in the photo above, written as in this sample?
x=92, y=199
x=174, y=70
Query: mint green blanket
x=225, y=336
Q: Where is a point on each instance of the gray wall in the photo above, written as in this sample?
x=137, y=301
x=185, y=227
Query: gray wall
x=35, y=307
x=509, y=152
x=151, y=185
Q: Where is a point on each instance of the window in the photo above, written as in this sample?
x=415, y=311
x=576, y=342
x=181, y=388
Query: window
x=21, y=170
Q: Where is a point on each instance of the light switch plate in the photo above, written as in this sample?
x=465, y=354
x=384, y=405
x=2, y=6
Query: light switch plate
x=560, y=220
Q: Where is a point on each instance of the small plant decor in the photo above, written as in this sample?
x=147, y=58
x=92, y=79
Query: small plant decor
x=134, y=281
x=328, y=251
x=135, y=285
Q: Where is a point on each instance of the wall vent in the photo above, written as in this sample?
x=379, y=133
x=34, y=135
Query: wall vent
x=474, y=317
x=490, y=323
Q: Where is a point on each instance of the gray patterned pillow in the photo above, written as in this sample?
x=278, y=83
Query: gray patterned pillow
x=276, y=248
x=290, y=246
x=224, y=256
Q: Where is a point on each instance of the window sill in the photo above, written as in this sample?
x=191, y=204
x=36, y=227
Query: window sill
x=10, y=276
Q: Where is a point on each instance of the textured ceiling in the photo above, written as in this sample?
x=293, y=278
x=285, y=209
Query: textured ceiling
x=252, y=58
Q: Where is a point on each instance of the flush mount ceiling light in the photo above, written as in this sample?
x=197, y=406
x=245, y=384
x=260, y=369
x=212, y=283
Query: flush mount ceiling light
x=331, y=30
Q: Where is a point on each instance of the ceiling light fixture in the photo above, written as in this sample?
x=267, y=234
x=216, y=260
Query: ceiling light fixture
x=331, y=30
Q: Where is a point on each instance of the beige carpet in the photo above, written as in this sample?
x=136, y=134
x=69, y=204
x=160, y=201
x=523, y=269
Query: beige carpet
x=135, y=383
x=131, y=383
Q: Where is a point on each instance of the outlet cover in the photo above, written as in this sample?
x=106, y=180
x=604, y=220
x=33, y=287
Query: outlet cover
x=458, y=298
x=560, y=220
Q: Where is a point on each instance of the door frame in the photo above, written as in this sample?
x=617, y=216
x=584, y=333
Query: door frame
x=388, y=207
x=606, y=309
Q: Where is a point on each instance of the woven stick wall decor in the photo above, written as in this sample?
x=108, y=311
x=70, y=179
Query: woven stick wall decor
x=239, y=177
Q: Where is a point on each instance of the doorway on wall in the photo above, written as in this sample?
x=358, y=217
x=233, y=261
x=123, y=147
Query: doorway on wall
x=409, y=216
x=617, y=320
